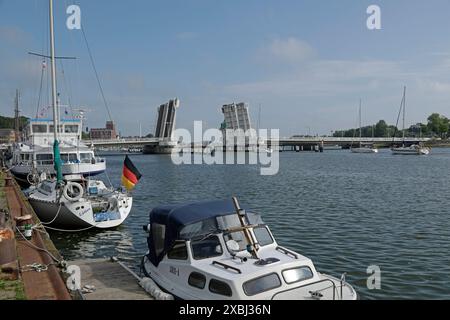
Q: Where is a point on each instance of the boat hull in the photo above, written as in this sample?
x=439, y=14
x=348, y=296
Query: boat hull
x=364, y=150
x=77, y=216
x=408, y=151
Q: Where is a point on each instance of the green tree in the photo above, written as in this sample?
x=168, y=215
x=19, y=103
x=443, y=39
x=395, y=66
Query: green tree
x=381, y=129
x=438, y=124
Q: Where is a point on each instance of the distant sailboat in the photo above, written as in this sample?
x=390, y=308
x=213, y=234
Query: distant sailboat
x=362, y=148
x=413, y=149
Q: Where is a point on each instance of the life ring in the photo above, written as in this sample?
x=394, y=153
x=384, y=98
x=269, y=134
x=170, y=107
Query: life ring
x=33, y=178
x=73, y=191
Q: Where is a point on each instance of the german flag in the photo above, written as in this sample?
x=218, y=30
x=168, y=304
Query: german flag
x=130, y=175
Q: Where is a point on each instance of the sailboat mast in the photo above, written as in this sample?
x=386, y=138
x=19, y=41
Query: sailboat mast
x=404, y=113
x=53, y=72
x=360, y=120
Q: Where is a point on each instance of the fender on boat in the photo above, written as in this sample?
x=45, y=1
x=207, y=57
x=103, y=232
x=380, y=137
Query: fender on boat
x=152, y=288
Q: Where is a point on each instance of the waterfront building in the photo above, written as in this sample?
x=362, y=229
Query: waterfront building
x=108, y=133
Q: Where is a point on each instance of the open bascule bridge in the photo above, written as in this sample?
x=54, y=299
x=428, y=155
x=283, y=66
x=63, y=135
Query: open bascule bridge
x=164, y=141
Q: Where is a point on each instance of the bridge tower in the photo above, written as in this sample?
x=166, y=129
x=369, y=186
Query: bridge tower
x=165, y=127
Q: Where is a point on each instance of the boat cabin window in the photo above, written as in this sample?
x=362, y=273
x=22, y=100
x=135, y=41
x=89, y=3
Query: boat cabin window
x=238, y=237
x=25, y=157
x=178, y=251
x=72, y=157
x=52, y=128
x=208, y=247
x=45, y=159
x=159, y=235
x=220, y=288
x=262, y=284
x=197, y=280
x=71, y=128
x=297, y=274
x=86, y=157
x=39, y=128
x=263, y=236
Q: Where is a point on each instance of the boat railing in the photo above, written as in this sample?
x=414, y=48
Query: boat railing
x=287, y=252
x=317, y=294
x=226, y=267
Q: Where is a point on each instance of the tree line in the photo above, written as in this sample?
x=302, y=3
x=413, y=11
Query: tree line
x=9, y=123
x=437, y=126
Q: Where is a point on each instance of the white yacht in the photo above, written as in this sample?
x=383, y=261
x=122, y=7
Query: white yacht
x=411, y=150
x=79, y=204
x=362, y=148
x=217, y=251
x=403, y=149
x=35, y=154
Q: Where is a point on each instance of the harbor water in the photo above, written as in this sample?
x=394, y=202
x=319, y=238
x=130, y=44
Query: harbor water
x=344, y=211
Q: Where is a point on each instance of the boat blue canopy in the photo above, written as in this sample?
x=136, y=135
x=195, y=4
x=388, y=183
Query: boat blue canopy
x=171, y=223
x=183, y=215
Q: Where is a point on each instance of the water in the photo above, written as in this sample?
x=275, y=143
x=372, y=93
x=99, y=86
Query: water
x=345, y=211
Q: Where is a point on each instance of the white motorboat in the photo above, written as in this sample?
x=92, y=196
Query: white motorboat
x=217, y=251
x=79, y=204
x=34, y=155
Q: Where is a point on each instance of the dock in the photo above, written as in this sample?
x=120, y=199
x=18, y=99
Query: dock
x=109, y=279
x=30, y=267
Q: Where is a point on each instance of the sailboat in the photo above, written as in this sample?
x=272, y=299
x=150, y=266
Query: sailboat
x=413, y=149
x=72, y=202
x=362, y=148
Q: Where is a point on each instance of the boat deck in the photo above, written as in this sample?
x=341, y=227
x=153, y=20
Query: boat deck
x=111, y=280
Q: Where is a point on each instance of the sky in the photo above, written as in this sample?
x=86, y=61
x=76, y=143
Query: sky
x=305, y=63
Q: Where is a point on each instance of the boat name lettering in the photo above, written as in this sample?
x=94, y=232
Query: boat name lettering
x=175, y=271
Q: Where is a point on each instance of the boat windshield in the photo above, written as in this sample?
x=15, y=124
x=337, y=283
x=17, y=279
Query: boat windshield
x=214, y=225
x=262, y=235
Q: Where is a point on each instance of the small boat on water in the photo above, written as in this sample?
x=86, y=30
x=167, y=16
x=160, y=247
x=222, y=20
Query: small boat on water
x=415, y=149
x=362, y=148
x=216, y=250
x=72, y=203
x=79, y=204
x=411, y=150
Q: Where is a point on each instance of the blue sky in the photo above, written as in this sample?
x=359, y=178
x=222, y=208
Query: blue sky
x=307, y=63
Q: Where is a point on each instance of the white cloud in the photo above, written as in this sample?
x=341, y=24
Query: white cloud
x=290, y=50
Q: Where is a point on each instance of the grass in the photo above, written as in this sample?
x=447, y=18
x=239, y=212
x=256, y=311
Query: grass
x=12, y=290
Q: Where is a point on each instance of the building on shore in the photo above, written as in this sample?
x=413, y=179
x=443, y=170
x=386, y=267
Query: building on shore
x=108, y=133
